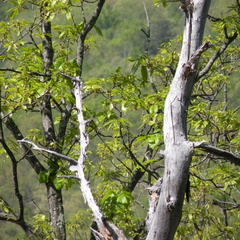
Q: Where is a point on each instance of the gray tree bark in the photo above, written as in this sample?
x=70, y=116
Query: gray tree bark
x=178, y=150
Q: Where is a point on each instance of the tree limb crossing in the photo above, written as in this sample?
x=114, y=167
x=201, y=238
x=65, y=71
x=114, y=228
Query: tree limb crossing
x=234, y=159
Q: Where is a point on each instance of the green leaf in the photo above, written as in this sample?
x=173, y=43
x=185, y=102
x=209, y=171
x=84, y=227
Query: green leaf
x=2, y=150
x=144, y=73
x=154, y=140
x=80, y=26
x=68, y=15
x=157, y=3
x=124, y=198
x=135, y=67
x=6, y=209
x=153, y=109
x=98, y=30
x=43, y=176
x=13, y=12
x=109, y=195
x=58, y=183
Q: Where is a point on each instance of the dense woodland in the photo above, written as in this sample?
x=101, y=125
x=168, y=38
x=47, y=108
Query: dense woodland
x=126, y=77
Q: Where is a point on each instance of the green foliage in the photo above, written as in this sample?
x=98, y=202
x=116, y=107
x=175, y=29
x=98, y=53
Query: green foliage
x=78, y=224
x=116, y=207
x=4, y=207
x=58, y=174
x=126, y=112
x=158, y=2
x=41, y=224
x=43, y=176
x=116, y=203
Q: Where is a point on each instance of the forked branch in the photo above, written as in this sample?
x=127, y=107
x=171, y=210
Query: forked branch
x=212, y=60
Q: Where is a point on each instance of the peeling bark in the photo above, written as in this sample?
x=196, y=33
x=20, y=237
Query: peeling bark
x=105, y=230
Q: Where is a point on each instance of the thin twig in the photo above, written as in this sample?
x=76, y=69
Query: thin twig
x=148, y=41
x=69, y=176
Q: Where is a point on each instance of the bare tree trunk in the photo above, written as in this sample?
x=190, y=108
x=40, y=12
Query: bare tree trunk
x=178, y=150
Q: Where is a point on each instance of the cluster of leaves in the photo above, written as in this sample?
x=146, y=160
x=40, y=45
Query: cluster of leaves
x=41, y=224
x=78, y=225
x=117, y=205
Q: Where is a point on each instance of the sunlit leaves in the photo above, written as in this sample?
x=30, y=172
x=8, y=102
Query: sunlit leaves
x=94, y=85
x=4, y=207
x=43, y=177
x=18, y=6
x=58, y=177
x=54, y=7
x=159, y=2
x=8, y=31
x=66, y=31
x=114, y=203
x=116, y=207
x=154, y=140
x=40, y=223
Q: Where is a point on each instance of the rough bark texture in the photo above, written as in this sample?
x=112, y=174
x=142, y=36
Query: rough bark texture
x=55, y=201
x=178, y=150
x=56, y=211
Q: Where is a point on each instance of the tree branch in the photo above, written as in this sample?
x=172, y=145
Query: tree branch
x=212, y=60
x=93, y=19
x=64, y=157
x=148, y=32
x=28, y=154
x=48, y=53
x=17, y=71
x=148, y=41
x=8, y=217
x=69, y=176
x=220, y=153
x=82, y=36
x=133, y=157
x=18, y=219
x=11, y=213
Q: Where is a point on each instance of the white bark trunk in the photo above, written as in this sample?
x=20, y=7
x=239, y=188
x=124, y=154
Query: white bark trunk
x=178, y=150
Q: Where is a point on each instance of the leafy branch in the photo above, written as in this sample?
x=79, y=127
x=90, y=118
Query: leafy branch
x=30, y=73
x=213, y=59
